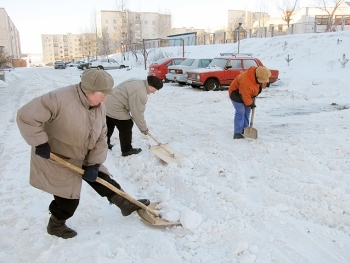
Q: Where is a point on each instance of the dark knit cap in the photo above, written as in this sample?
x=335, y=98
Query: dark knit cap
x=155, y=82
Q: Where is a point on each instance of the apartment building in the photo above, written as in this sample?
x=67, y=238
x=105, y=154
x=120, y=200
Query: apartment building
x=68, y=47
x=9, y=36
x=118, y=30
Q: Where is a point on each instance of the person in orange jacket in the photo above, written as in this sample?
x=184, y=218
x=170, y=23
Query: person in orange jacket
x=243, y=89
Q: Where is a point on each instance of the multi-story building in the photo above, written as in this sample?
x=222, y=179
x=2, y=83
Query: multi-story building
x=119, y=30
x=69, y=47
x=9, y=36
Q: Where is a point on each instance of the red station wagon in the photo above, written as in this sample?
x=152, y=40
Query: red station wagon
x=223, y=70
x=160, y=67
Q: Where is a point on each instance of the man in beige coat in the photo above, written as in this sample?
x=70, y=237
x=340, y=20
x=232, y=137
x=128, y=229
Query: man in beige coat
x=70, y=122
x=127, y=105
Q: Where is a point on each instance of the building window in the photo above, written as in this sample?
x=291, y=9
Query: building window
x=322, y=20
x=339, y=20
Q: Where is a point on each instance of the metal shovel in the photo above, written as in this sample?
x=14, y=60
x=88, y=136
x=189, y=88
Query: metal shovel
x=146, y=213
x=251, y=132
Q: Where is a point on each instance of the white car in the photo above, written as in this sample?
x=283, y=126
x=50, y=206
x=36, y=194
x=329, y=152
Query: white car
x=74, y=64
x=107, y=63
x=178, y=73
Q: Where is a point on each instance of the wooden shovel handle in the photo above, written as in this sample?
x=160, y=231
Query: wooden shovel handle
x=103, y=182
x=159, y=144
x=252, y=117
x=150, y=135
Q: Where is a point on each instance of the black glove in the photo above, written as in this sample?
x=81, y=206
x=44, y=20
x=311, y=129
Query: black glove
x=91, y=173
x=252, y=106
x=43, y=150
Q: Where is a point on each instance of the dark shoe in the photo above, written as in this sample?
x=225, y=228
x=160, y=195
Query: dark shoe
x=132, y=151
x=238, y=136
x=126, y=206
x=110, y=146
x=58, y=228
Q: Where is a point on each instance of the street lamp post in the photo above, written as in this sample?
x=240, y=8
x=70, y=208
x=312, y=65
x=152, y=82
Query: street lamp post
x=240, y=22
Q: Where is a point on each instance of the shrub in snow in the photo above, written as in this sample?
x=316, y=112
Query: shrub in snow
x=344, y=61
x=288, y=59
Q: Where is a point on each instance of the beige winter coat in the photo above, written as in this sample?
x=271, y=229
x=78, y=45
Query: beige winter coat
x=74, y=131
x=130, y=97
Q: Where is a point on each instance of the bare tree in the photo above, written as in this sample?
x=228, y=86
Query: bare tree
x=88, y=44
x=5, y=60
x=288, y=9
x=262, y=17
x=330, y=11
x=123, y=32
x=104, y=42
x=89, y=39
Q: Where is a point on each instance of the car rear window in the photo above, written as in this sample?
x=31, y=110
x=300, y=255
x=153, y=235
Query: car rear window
x=160, y=61
x=247, y=63
x=236, y=63
x=177, y=61
x=187, y=62
x=204, y=63
x=218, y=62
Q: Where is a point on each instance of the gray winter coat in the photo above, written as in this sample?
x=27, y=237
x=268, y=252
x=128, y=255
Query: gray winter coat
x=75, y=131
x=130, y=97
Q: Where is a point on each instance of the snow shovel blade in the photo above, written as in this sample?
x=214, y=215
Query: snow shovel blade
x=250, y=132
x=152, y=220
x=168, y=155
x=146, y=212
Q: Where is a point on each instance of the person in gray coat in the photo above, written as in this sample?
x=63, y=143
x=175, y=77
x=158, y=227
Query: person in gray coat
x=71, y=123
x=127, y=105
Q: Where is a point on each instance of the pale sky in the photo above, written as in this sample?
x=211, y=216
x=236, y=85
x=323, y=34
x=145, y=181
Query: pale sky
x=35, y=17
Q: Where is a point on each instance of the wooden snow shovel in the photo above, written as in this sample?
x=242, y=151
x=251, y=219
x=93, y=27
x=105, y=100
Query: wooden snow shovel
x=147, y=213
x=251, y=132
x=164, y=152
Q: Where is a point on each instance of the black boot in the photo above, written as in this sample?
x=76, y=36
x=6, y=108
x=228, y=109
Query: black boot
x=132, y=151
x=110, y=146
x=58, y=228
x=238, y=136
x=126, y=206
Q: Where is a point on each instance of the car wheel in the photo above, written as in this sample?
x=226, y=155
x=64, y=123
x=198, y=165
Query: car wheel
x=195, y=86
x=122, y=66
x=211, y=84
x=84, y=67
x=182, y=83
x=100, y=67
x=166, y=80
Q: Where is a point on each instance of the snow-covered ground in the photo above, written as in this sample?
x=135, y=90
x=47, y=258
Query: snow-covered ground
x=284, y=197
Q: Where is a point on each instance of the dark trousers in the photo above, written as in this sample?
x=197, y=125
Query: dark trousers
x=63, y=208
x=125, y=132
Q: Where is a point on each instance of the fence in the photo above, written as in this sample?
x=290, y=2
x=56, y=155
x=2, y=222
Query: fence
x=221, y=37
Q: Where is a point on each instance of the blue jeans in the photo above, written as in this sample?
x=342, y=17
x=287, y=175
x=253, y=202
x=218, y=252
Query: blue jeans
x=241, y=117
